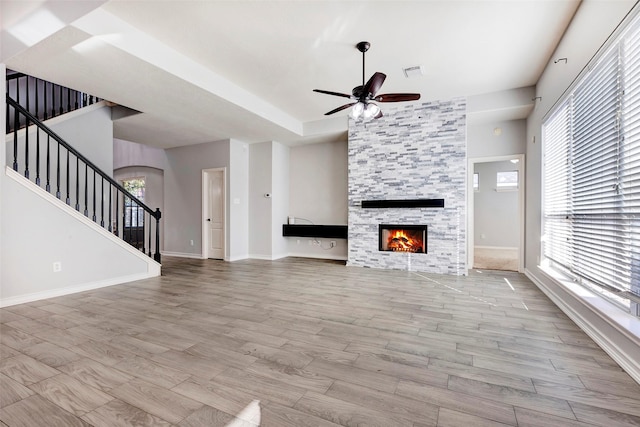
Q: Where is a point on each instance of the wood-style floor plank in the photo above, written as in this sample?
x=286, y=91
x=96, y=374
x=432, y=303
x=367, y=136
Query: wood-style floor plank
x=302, y=342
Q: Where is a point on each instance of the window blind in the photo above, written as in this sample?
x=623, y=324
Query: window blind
x=592, y=174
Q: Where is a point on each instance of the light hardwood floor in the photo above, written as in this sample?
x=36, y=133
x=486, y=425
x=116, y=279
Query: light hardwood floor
x=299, y=342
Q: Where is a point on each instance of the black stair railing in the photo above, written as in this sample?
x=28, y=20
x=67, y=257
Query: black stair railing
x=43, y=99
x=43, y=157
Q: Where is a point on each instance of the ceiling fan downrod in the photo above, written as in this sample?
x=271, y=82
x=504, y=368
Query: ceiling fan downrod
x=363, y=47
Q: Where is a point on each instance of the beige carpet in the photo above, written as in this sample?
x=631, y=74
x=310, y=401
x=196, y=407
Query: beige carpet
x=495, y=259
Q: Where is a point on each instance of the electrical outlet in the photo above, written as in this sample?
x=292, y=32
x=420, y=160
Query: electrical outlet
x=191, y=241
x=57, y=267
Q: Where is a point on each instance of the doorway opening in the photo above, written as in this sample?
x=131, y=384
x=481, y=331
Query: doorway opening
x=496, y=213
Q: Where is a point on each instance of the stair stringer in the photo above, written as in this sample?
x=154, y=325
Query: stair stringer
x=38, y=229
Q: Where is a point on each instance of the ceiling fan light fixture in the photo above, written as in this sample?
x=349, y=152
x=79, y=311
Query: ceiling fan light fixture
x=357, y=110
x=370, y=111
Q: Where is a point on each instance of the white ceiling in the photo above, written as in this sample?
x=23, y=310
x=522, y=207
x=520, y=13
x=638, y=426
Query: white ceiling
x=202, y=71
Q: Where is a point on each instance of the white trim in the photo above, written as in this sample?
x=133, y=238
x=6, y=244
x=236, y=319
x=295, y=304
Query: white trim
x=37, y=296
x=470, y=205
x=182, y=255
x=205, y=214
x=592, y=325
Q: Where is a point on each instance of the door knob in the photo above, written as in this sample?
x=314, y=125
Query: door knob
x=209, y=219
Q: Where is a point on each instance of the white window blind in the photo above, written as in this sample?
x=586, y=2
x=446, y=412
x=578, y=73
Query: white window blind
x=592, y=176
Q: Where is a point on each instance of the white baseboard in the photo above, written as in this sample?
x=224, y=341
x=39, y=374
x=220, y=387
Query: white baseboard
x=319, y=256
x=497, y=247
x=36, y=296
x=236, y=258
x=593, y=326
x=182, y=255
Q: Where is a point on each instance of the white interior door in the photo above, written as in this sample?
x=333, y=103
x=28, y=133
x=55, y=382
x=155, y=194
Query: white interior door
x=214, y=214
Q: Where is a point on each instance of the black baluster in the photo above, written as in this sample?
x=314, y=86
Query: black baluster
x=90, y=99
x=15, y=139
x=84, y=99
x=68, y=100
x=116, y=231
x=7, y=128
x=102, y=203
x=48, y=163
x=78, y=183
x=37, y=155
x=86, y=190
x=28, y=93
x=46, y=105
x=26, y=148
x=94, y=195
x=61, y=100
x=124, y=217
x=110, y=228
x=58, y=173
x=143, y=229
x=68, y=200
x=157, y=254
x=137, y=229
x=37, y=102
x=145, y=219
x=76, y=98
x=53, y=100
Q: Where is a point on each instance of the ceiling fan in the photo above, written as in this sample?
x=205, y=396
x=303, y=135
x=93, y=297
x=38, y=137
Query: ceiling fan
x=366, y=93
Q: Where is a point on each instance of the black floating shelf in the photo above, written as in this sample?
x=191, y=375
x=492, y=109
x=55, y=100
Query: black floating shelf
x=408, y=203
x=310, y=230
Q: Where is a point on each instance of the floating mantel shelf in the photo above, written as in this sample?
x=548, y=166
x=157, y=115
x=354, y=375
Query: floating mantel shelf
x=311, y=230
x=408, y=203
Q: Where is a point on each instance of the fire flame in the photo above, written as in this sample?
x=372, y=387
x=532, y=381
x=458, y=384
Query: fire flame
x=399, y=241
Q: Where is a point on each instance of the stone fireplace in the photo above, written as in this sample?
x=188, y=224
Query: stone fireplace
x=413, y=152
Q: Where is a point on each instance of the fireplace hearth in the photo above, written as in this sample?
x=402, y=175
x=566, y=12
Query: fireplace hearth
x=402, y=238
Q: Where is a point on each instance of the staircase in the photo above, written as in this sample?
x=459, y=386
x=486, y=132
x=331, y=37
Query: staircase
x=43, y=157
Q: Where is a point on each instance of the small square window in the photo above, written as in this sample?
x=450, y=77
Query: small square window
x=476, y=181
x=507, y=180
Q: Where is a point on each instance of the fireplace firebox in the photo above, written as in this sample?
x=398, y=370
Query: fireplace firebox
x=402, y=238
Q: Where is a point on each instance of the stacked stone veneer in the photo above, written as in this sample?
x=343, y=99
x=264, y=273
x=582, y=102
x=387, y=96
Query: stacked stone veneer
x=412, y=152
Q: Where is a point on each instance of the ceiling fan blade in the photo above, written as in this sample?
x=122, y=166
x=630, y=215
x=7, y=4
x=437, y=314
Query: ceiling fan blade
x=340, y=108
x=327, y=92
x=374, y=84
x=397, y=97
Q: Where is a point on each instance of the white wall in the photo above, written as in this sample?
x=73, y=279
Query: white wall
x=593, y=23
x=183, y=194
x=3, y=162
x=238, y=201
x=482, y=141
x=260, y=213
x=280, y=199
x=37, y=231
x=495, y=212
x=318, y=193
x=127, y=153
